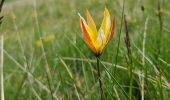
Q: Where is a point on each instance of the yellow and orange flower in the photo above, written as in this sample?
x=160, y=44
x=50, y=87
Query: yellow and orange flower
x=97, y=40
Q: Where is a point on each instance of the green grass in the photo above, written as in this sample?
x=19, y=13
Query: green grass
x=66, y=68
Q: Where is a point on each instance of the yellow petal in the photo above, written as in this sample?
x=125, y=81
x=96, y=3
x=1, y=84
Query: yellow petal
x=88, y=39
x=88, y=29
x=110, y=35
x=91, y=24
x=106, y=23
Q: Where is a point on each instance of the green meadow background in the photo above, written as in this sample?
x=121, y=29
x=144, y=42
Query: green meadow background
x=46, y=58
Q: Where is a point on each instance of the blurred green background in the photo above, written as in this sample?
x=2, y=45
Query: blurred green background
x=45, y=56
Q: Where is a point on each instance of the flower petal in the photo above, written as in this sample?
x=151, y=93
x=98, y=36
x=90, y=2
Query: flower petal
x=113, y=30
x=86, y=35
x=101, y=37
x=88, y=29
x=91, y=24
x=106, y=23
x=110, y=35
x=84, y=30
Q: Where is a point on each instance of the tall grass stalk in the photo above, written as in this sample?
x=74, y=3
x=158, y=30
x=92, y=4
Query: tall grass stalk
x=120, y=31
x=1, y=66
x=129, y=62
x=46, y=67
x=1, y=56
x=158, y=47
x=143, y=59
x=118, y=45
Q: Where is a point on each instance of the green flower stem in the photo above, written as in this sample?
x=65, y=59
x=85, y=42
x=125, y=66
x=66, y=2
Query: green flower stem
x=99, y=78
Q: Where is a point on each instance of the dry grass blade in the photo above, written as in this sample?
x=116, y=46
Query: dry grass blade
x=1, y=56
x=71, y=76
x=46, y=66
x=40, y=84
x=1, y=66
x=166, y=84
x=135, y=72
x=143, y=59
